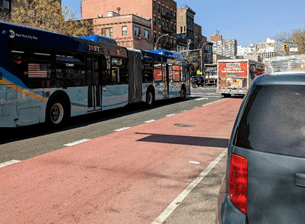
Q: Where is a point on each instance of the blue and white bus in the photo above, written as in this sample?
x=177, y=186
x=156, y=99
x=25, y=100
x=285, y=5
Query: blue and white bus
x=49, y=77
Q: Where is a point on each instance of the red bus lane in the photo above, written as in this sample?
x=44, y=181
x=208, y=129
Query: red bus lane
x=125, y=177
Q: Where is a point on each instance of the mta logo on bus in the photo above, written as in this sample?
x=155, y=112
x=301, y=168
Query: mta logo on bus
x=94, y=48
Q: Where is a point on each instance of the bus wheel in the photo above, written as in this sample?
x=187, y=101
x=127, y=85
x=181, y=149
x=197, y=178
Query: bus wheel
x=149, y=98
x=183, y=94
x=226, y=95
x=56, y=113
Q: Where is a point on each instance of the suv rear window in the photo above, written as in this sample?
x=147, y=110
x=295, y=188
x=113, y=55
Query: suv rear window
x=274, y=121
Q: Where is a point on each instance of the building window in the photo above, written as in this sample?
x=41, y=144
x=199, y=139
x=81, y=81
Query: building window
x=146, y=34
x=162, y=8
x=6, y=4
x=154, y=5
x=124, y=30
x=155, y=37
x=174, y=28
x=162, y=22
x=181, y=30
x=158, y=7
x=159, y=21
x=137, y=31
x=154, y=20
x=107, y=32
x=174, y=15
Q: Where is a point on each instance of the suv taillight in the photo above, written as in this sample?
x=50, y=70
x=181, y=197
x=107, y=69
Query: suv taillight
x=238, y=182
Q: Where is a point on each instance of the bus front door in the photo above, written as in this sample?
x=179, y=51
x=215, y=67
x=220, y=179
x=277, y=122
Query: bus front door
x=94, y=83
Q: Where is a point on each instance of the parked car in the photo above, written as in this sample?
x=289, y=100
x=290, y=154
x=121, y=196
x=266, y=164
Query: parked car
x=265, y=171
x=197, y=80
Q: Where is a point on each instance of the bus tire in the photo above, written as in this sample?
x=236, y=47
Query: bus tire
x=183, y=93
x=150, y=99
x=225, y=95
x=57, y=113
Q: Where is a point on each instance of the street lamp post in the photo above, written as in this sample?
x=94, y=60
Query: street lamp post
x=163, y=35
x=201, y=57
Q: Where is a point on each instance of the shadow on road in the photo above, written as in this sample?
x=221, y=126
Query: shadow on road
x=15, y=134
x=185, y=140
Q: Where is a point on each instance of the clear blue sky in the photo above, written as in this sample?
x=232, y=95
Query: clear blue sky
x=243, y=20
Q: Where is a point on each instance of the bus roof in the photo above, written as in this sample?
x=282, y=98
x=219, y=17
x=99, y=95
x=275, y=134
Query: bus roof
x=100, y=39
x=21, y=34
x=164, y=56
x=169, y=54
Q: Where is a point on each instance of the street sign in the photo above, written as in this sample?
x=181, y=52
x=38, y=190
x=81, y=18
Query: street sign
x=294, y=48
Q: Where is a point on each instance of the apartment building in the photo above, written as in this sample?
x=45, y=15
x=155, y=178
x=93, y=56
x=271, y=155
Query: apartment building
x=129, y=31
x=185, y=28
x=226, y=48
x=266, y=49
x=160, y=13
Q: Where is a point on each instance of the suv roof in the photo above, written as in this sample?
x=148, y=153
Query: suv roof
x=283, y=79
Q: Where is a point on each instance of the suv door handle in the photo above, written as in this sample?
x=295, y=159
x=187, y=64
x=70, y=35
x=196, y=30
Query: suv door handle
x=299, y=179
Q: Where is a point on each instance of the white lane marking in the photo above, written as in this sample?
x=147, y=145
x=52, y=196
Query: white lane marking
x=121, y=129
x=213, y=102
x=149, y=121
x=9, y=163
x=76, y=142
x=175, y=203
x=202, y=99
x=194, y=162
x=169, y=115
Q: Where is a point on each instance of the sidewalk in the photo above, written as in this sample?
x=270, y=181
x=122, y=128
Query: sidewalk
x=125, y=177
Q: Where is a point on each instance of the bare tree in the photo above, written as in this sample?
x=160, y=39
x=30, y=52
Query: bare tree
x=293, y=38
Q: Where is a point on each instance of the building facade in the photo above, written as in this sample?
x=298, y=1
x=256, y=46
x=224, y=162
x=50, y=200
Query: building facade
x=129, y=31
x=5, y=7
x=243, y=51
x=226, y=48
x=266, y=49
x=161, y=13
x=186, y=28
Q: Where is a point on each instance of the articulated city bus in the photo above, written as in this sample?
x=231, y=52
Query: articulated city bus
x=49, y=77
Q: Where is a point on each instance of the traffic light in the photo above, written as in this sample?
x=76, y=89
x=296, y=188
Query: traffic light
x=284, y=47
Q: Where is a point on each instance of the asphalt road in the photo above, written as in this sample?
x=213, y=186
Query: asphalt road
x=27, y=142
x=199, y=204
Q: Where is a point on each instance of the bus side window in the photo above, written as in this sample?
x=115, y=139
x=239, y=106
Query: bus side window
x=70, y=69
x=119, y=70
x=158, y=73
x=33, y=65
x=176, y=73
x=148, y=72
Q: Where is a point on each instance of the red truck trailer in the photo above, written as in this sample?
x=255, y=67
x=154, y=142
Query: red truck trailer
x=234, y=76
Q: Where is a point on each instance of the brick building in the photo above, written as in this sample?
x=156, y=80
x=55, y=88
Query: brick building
x=185, y=27
x=161, y=13
x=130, y=31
